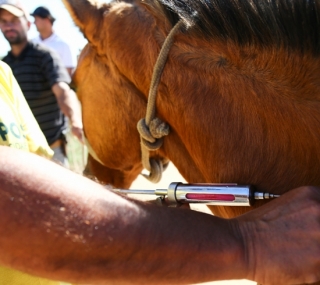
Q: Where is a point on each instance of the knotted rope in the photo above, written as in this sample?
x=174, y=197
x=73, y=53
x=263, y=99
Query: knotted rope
x=152, y=129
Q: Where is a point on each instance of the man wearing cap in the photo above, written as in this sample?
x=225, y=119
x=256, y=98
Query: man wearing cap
x=44, y=20
x=42, y=78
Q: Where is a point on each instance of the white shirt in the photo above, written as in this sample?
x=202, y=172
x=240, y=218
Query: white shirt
x=59, y=46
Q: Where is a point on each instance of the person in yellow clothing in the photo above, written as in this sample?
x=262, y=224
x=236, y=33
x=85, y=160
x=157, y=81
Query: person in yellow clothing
x=19, y=129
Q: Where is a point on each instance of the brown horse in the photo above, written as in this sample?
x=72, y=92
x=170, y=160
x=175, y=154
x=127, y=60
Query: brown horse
x=240, y=89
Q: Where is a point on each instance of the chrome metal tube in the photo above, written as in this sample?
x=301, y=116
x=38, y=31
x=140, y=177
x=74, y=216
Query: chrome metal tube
x=212, y=194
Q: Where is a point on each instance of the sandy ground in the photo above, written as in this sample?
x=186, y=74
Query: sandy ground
x=172, y=175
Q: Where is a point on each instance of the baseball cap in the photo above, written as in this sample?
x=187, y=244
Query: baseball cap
x=14, y=7
x=43, y=12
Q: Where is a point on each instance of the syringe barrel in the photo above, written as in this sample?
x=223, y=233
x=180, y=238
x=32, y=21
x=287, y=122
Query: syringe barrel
x=211, y=194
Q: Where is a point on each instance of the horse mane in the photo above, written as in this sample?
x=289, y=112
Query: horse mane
x=290, y=24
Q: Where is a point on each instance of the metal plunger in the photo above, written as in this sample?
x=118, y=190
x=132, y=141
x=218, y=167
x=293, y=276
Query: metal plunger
x=209, y=194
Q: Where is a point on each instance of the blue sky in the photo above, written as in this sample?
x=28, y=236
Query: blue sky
x=63, y=25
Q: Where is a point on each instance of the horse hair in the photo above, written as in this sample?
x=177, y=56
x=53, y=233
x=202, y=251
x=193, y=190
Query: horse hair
x=293, y=24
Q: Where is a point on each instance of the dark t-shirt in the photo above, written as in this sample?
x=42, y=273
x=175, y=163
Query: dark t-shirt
x=37, y=69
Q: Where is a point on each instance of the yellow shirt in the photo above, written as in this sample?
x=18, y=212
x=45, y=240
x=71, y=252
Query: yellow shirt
x=19, y=129
x=13, y=277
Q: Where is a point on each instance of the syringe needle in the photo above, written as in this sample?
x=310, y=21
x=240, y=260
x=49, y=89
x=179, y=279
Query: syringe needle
x=134, y=191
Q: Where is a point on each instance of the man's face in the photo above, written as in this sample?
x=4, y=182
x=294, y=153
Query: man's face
x=13, y=28
x=41, y=23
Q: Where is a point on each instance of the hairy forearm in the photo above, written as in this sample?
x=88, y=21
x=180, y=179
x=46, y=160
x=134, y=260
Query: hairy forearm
x=59, y=225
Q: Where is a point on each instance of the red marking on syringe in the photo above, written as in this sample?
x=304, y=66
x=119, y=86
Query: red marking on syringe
x=210, y=197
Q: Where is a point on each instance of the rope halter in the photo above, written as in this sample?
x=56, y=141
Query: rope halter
x=152, y=129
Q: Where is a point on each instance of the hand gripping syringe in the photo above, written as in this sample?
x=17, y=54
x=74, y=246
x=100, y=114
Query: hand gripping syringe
x=209, y=194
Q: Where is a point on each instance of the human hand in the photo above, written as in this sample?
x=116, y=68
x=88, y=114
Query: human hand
x=282, y=239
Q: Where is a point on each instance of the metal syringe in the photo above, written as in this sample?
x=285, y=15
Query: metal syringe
x=209, y=194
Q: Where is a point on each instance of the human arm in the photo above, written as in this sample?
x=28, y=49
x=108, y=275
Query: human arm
x=58, y=78
x=70, y=106
x=63, y=226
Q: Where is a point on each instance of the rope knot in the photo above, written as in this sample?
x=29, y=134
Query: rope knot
x=152, y=136
x=158, y=128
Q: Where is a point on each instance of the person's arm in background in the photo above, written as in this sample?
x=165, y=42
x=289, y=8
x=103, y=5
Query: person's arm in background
x=58, y=78
x=61, y=225
x=70, y=106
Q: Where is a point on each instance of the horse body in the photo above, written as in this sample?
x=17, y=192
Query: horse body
x=241, y=110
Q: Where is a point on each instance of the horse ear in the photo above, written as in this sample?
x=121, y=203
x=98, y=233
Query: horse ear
x=87, y=15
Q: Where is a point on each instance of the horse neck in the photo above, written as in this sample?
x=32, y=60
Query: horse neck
x=233, y=111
